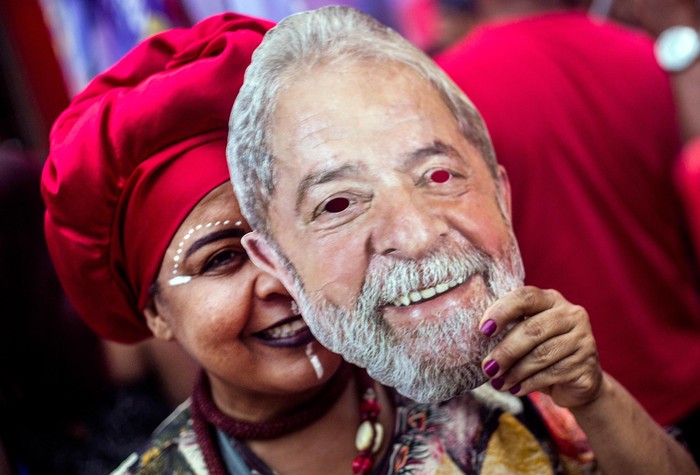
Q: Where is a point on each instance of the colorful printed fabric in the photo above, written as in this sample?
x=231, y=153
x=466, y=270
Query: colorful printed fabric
x=463, y=436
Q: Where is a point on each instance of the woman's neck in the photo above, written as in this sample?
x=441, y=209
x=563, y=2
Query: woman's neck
x=258, y=406
x=328, y=445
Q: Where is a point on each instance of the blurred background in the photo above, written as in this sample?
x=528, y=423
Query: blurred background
x=50, y=49
x=69, y=402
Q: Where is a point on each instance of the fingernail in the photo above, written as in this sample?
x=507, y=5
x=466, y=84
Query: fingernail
x=488, y=328
x=515, y=389
x=497, y=383
x=491, y=368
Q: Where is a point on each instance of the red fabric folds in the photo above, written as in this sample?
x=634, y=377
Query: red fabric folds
x=132, y=155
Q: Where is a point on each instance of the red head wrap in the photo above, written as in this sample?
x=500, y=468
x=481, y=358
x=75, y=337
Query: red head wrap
x=130, y=158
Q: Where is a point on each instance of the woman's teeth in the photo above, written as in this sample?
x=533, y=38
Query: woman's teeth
x=285, y=330
x=418, y=295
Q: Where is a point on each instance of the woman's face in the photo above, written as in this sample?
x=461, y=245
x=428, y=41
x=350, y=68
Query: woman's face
x=238, y=322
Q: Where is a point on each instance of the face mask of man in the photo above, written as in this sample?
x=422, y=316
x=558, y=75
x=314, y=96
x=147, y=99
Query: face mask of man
x=434, y=360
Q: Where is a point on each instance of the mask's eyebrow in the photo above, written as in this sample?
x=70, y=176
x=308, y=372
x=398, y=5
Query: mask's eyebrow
x=212, y=237
x=324, y=176
x=438, y=147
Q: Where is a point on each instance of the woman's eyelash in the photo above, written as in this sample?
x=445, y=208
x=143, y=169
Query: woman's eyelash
x=221, y=259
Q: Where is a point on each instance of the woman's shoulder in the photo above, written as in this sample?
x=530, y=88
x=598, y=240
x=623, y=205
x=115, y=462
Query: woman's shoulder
x=172, y=448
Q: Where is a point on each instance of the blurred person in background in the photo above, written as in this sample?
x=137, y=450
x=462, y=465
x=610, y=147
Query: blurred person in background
x=453, y=20
x=584, y=120
x=675, y=24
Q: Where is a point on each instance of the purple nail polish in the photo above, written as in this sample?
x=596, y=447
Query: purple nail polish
x=515, y=389
x=497, y=383
x=491, y=368
x=488, y=328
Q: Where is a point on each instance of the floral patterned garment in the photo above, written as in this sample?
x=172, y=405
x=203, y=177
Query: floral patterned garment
x=463, y=436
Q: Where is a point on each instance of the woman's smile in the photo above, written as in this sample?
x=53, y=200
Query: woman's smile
x=289, y=333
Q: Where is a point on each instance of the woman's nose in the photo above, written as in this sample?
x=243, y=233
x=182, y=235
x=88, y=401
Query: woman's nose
x=268, y=287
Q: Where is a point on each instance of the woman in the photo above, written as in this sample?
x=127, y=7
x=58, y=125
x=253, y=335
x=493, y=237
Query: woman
x=145, y=233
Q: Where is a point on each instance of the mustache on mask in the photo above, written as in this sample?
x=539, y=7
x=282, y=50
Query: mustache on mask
x=387, y=279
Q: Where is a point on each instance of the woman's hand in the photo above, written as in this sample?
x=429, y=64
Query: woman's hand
x=549, y=348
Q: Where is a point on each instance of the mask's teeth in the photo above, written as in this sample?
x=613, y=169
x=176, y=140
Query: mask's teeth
x=416, y=295
x=440, y=288
x=428, y=293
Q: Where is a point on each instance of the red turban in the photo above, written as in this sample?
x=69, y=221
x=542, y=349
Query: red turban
x=129, y=159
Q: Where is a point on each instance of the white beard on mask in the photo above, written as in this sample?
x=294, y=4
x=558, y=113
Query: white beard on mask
x=434, y=361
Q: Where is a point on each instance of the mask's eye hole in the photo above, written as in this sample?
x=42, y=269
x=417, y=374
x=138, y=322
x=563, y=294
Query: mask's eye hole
x=440, y=176
x=336, y=205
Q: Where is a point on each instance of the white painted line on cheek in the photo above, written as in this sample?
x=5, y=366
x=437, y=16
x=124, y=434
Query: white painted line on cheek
x=179, y=280
x=315, y=362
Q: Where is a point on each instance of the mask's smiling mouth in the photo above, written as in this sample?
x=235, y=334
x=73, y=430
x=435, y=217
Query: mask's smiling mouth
x=290, y=332
x=420, y=295
x=433, y=303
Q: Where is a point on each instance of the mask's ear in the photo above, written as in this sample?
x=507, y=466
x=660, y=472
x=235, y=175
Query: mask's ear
x=264, y=257
x=504, y=192
x=158, y=325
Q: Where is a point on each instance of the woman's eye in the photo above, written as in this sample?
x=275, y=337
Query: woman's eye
x=223, y=259
x=440, y=176
x=336, y=205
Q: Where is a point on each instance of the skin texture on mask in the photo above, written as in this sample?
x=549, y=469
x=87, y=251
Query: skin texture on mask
x=401, y=237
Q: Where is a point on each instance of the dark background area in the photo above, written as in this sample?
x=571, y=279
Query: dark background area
x=32, y=89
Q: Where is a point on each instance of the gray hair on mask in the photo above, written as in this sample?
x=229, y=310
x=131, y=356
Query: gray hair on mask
x=333, y=35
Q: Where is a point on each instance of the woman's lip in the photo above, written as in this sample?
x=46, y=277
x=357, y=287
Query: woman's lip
x=298, y=335
x=300, y=338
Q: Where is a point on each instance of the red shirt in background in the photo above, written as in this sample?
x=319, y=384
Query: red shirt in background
x=584, y=121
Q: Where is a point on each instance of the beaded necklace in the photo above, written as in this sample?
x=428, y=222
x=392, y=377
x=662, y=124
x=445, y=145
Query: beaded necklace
x=368, y=439
x=370, y=434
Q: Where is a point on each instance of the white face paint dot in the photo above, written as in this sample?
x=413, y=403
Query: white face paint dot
x=191, y=232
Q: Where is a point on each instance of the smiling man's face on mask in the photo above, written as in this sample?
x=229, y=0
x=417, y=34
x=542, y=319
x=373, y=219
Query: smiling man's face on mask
x=394, y=235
